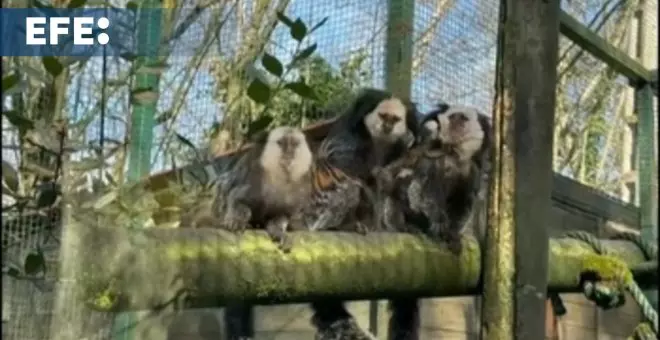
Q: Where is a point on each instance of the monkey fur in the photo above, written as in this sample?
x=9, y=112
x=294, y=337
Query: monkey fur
x=434, y=186
x=377, y=129
x=433, y=189
x=265, y=188
x=268, y=185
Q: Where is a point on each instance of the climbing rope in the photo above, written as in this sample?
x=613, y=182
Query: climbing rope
x=607, y=294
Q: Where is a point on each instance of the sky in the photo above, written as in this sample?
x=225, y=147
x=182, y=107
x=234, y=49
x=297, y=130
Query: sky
x=461, y=55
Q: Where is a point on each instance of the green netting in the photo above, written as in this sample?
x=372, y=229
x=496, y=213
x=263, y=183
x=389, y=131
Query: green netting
x=215, y=50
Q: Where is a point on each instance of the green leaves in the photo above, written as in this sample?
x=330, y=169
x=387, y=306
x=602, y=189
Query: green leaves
x=34, y=263
x=77, y=3
x=47, y=195
x=9, y=177
x=301, y=89
x=298, y=30
x=284, y=19
x=185, y=141
x=132, y=5
x=272, y=65
x=304, y=54
x=52, y=65
x=318, y=25
x=9, y=81
x=259, y=125
x=261, y=90
x=16, y=119
x=258, y=91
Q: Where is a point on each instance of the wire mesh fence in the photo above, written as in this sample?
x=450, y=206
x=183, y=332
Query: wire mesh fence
x=595, y=125
x=215, y=48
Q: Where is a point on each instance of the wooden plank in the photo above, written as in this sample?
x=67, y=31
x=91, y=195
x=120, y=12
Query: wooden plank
x=570, y=193
x=603, y=50
x=445, y=334
x=573, y=332
x=459, y=314
x=516, y=265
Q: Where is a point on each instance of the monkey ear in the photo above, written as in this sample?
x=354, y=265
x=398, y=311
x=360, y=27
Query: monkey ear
x=365, y=101
x=412, y=114
x=442, y=107
x=260, y=137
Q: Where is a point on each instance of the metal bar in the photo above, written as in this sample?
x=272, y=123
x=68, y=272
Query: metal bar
x=603, y=50
x=646, y=165
x=399, y=46
x=398, y=75
x=142, y=123
x=515, y=269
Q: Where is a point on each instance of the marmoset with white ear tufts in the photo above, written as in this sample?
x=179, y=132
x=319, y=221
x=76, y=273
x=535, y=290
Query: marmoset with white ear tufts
x=269, y=185
x=434, y=188
x=377, y=129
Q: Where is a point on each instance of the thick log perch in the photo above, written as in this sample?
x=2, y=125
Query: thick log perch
x=144, y=269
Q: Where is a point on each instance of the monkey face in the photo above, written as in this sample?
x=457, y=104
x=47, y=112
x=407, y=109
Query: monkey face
x=387, y=122
x=286, y=150
x=430, y=130
x=461, y=128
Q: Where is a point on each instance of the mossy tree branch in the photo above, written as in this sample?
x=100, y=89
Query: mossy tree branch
x=147, y=269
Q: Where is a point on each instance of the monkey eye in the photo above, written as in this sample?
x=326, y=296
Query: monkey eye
x=294, y=142
x=389, y=117
x=459, y=116
x=281, y=142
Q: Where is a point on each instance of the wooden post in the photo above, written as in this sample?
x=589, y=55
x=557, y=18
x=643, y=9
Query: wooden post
x=516, y=258
x=398, y=75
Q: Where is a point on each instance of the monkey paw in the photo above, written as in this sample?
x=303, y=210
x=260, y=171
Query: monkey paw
x=361, y=228
x=277, y=230
x=236, y=226
x=383, y=178
x=454, y=245
x=437, y=231
x=443, y=234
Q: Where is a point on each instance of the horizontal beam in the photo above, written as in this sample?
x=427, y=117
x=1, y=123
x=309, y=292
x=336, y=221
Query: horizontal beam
x=603, y=50
x=144, y=269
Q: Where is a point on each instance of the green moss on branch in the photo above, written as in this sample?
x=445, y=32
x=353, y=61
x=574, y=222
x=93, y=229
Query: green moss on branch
x=141, y=269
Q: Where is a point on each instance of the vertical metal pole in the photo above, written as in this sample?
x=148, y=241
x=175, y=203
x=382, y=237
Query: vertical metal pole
x=399, y=46
x=142, y=123
x=398, y=74
x=646, y=164
x=516, y=254
x=647, y=171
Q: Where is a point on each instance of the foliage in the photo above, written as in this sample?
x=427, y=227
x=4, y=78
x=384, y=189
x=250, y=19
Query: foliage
x=261, y=92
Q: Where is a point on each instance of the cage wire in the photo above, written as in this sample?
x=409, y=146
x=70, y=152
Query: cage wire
x=215, y=50
x=594, y=122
